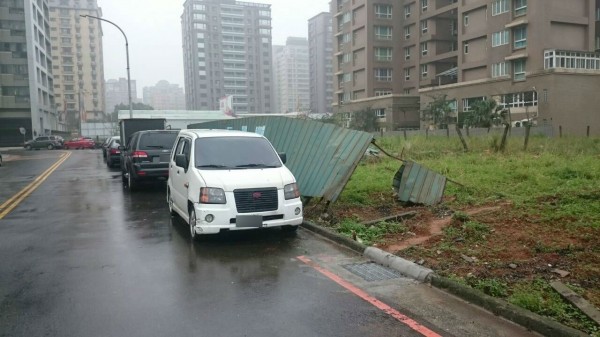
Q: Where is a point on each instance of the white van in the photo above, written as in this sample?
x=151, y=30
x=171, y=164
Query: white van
x=231, y=180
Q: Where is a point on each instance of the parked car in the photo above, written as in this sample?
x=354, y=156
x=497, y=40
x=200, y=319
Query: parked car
x=48, y=142
x=231, y=180
x=113, y=154
x=0, y=158
x=146, y=156
x=80, y=143
x=105, y=144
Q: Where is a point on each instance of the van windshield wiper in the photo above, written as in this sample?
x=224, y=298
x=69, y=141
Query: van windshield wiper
x=257, y=165
x=211, y=166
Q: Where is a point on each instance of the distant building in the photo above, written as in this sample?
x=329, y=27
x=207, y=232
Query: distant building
x=165, y=96
x=78, y=61
x=26, y=81
x=320, y=60
x=291, y=75
x=227, y=51
x=116, y=93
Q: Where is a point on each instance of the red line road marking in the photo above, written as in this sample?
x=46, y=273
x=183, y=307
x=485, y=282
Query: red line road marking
x=416, y=326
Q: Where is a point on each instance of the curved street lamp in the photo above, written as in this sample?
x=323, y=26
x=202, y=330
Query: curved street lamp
x=126, y=52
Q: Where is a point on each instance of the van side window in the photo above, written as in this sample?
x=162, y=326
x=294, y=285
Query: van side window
x=179, y=147
x=187, y=150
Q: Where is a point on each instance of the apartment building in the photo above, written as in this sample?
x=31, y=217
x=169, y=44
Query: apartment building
x=227, y=51
x=537, y=58
x=26, y=81
x=164, y=96
x=291, y=73
x=78, y=65
x=368, y=61
x=320, y=62
x=117, y=93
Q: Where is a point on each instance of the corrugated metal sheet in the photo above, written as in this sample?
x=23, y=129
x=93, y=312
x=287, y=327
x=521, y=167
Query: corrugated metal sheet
x=420, y=185
x=321, y=156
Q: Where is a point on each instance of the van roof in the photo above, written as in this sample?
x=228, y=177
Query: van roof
x=204, y=133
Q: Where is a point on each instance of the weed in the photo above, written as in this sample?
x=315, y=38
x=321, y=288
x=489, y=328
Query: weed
x=370, y=234
x=492, y=287
x=460, y=216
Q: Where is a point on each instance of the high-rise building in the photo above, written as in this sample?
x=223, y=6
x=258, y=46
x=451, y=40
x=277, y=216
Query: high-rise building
x=292, y=78
x=165, y=96
x=77, y=58
x=227, y=51
x=118, y=93
x=320, y=56
x=538, y=58
x=26, y=82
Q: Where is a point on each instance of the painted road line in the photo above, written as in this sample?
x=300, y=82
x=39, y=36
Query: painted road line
x=416, y=326
x=15, y=200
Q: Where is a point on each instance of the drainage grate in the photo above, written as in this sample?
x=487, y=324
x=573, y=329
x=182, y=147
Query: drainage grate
x=371, y=271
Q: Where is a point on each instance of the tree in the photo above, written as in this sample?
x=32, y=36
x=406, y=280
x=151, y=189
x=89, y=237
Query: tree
x=440, y=113
x=134, y=106
x=364, y=120
x=483, y=114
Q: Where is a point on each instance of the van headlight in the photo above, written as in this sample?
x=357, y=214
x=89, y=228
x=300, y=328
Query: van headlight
x=291, y=191
x=212, y=195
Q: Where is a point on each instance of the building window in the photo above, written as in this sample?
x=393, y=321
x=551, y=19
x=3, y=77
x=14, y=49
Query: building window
x=407, y=91
x=466, y=20
x=499, y=7
x=520, y=7
x=380, y=113
x=424, y=4
x=383, y=54
x=407, y=53
x=383, y=11
x=466, y=45
x=407, y=11
x=519, y=69
x=407, y=32
x=571, y=60
x=424, y=70
x=407, y=74
x=382, y=92
x=468, y=102
x=424, y=27
x=520, y=37
x=424, y=48
x=383, y=74
x=500, y=38
x=383, y=32
x=499, y=69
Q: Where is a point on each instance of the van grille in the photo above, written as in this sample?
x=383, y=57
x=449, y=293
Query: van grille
x=256, y=200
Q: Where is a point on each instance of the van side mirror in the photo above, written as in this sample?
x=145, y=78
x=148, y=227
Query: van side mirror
x=181, y=160
x=283, y=157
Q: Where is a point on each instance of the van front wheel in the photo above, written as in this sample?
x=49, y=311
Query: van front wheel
x=192, y=222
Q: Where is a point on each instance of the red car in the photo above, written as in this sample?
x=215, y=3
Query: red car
x=79, y=143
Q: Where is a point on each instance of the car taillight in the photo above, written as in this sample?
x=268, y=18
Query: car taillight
x=114, y=151
x=139, y=154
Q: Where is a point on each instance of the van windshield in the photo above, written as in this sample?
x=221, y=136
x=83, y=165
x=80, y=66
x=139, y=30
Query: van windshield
x=226, y=153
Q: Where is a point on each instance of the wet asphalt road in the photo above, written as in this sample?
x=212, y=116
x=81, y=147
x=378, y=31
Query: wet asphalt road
x=81, y=256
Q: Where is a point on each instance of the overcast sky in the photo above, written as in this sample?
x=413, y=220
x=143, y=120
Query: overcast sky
x=153, y=28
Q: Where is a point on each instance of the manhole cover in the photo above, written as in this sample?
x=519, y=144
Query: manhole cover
x=371, y=271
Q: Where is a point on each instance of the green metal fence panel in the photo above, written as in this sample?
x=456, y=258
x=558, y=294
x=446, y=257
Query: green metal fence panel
x=420, y=185
x=321, y=156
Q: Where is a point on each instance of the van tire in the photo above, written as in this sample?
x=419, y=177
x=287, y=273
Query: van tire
x=192, y=222
x=289, y=228
x=170, y=202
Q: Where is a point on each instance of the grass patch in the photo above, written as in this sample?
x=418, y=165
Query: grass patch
x=370, y=234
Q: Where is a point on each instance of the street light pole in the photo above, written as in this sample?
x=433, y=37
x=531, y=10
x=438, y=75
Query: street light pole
x=126, y=52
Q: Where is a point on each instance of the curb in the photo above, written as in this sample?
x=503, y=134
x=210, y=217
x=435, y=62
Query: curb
x=525, y=318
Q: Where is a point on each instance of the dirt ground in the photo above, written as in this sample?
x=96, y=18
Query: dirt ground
x=514, y=247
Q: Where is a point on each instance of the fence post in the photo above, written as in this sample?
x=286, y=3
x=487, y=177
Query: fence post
x=588, y=131
x=560, y=131
x=405, y=138
x=427, y=133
